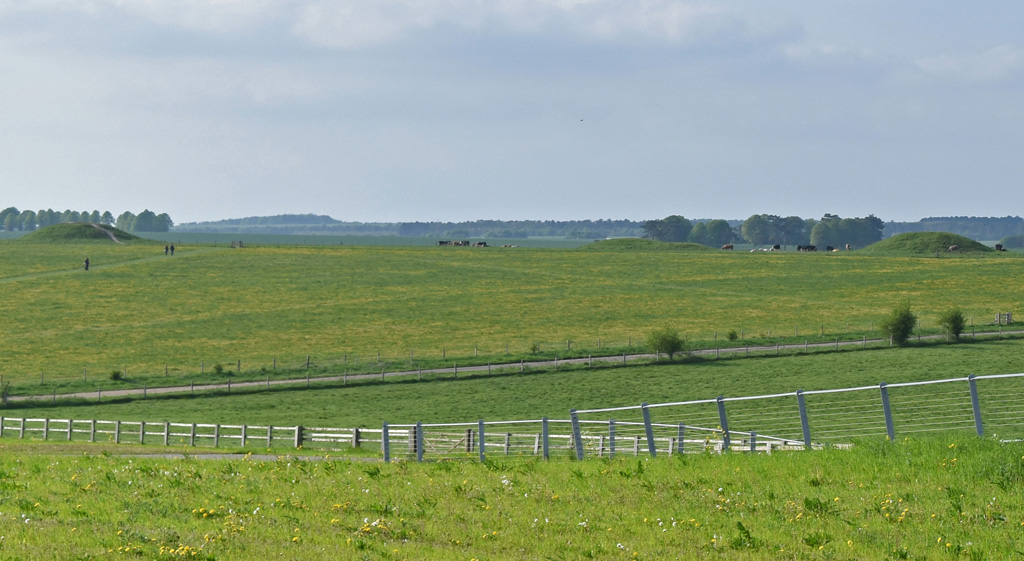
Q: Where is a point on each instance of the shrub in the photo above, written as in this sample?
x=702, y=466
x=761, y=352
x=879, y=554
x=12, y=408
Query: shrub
x=953, y=321
x=732, y=335
x=116, y=375
x=218, y=368
x=665, y=340
x=899, y=323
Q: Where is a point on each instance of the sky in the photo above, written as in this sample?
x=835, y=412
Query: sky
x=456, y=110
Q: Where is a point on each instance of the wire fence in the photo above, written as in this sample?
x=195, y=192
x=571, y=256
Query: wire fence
x=983, y=405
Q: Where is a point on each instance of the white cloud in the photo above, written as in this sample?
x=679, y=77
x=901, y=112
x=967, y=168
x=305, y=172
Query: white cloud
x=995, y=65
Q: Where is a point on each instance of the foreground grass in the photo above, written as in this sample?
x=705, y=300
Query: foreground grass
x=912, y=499
x=143, y=314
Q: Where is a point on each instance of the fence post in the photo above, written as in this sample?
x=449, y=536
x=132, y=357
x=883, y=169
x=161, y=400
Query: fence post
x=142, y=432
x=117, y=432
x=576, y=436
x=544, y=435
x=649, y=430
x=243, y=437
x=611, y=439
x=753, y=441
x=804, y=422
x=270, y=436
x=419, y=441
x=92, y=430
x=889, y=429
x=469, y=441
x=724, y=422
x=192, y=435
x=216, y=435
x=679, y=444
x=167, y=433
x=480, y=433
x=298, y=437
x=385, y=442
x=357, y=437
x=70, y=425
x=976, y=405
x=1, y=426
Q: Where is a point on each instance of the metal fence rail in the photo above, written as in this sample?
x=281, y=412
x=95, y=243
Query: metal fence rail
x=992, y=405
x=979, y=404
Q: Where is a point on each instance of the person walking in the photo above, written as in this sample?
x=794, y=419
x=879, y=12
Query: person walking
x=86, y=263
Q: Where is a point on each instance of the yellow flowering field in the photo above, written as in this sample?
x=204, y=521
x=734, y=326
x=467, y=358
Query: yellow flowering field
x=910, y=499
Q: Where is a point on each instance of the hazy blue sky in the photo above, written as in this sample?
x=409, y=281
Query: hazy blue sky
x=405, y=110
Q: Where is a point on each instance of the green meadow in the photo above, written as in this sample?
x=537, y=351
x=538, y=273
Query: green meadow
x=925, y=498
x=146, y=314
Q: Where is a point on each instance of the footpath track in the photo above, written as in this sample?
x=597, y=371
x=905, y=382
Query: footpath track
x=455, y=370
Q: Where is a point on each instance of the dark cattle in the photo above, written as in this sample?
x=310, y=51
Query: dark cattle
x=444, y=242
x=999, y=247
x=727, y=246
x=480, y=244
x=829, y=248
x=953, y=248
x=807, y=248
x=776, y=247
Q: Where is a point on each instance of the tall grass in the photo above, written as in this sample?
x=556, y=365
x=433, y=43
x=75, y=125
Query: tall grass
x=911, y=499
x=140, y=311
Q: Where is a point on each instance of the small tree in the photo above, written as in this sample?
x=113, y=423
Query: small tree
x=899, y=323
x=665, y=340
x=954, y=322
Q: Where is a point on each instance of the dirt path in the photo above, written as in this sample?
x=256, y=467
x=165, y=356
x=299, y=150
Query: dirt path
x=107, y=232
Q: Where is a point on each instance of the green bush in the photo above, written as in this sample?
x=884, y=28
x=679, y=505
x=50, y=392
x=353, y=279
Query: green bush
x=732, y=335
x=218, y=368
x=953, y=321
x=665, y=340
x=116, y=375
x=899, y=324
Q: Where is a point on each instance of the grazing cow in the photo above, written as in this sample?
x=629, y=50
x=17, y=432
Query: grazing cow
x=953, y=248
x=999, y=247
x=444, y=242
x=727, y=246
x=848, y=247
x=480, y=244
x=829, y=248
x=776, y=247
x=807, y=248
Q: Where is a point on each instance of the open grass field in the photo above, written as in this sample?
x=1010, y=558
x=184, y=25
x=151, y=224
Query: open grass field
x=552, y=393
x=139, y=312
x=935, y=499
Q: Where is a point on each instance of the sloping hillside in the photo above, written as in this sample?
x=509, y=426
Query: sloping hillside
x=918, y=243
x=73, y=232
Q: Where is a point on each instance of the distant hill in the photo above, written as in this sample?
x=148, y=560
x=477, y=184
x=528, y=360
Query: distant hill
x=78, y=232
x=310, y=224
x=986, y=228
x=921, y=243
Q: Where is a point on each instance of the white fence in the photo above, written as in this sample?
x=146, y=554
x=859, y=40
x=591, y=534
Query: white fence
x=983, y=405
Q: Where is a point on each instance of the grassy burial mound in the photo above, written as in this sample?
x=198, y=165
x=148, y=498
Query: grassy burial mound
x=77, y=232
x=638, y=244
x=922, y=243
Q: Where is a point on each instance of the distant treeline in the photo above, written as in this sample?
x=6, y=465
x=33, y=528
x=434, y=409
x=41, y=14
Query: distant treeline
x=318, y=224
x=974, y=227
x=12, y=219
x=758, y=229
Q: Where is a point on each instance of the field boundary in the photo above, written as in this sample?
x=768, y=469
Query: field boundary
x=455, y=370
x=989, y=405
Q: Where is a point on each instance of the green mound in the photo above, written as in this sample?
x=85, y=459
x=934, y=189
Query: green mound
x=78, y=232
x=925, y=243
x=639, y=244
x=1015, y=241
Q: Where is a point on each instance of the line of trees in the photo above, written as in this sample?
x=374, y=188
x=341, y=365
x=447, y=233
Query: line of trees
x=12, y=219
x=765, y=229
